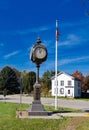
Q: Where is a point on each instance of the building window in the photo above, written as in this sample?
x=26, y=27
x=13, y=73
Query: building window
x=56, y=82
x=68, y=91
x=69, y=83
x=55, y=90
x=61, y=90
x=62, y=83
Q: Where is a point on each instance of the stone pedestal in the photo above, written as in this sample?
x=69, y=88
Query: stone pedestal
x=37, y=92
x=36, y=108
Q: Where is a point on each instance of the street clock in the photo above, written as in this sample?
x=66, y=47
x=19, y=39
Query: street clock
x=38, y=52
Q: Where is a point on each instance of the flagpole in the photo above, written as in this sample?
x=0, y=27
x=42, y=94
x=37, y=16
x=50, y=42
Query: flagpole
x=56, y=63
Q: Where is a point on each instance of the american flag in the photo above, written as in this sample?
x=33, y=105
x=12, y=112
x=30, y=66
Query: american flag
x=57, y=31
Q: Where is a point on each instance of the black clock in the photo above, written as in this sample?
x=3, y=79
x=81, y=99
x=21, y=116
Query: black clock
x=38, y=53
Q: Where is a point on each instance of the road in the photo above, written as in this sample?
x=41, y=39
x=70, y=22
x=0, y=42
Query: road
x=71, y=103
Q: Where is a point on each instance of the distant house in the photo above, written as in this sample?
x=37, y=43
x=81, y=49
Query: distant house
x=67, y=85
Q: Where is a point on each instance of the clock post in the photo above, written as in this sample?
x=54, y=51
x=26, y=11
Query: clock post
x=38, y=55
x=37, y=86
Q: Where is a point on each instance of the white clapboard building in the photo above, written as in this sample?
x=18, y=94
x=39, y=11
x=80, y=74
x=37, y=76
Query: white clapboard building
x=67, y=85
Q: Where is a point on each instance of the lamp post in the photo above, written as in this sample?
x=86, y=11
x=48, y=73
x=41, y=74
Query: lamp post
x=4, y=94
x=37, y=85
x=20, y=90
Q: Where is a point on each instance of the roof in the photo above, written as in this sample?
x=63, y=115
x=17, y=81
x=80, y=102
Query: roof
x=67, y=75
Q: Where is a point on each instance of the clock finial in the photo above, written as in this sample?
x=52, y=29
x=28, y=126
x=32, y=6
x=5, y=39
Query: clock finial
x=38, y=40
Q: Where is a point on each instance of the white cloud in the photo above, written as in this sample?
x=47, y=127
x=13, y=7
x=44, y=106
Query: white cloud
x=35, y=30
x=11, y=54
x=70, y=40
x=78, y=59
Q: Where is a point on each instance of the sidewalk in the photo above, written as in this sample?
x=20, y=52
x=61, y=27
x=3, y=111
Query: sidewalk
x=55, y=116
x=75, y=114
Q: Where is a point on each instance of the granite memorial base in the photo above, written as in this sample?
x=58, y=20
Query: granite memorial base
x=37, y=109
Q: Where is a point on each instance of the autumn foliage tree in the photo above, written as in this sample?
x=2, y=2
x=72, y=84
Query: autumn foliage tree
x=87, y=82
x=80, y=76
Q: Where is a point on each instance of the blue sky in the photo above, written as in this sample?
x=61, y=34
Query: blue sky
x=22, y=21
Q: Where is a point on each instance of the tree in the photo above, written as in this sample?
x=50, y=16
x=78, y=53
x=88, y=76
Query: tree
x=8, y=79
x=29, y=80
x=44, y=90
x=80, y=76
x=86, y=82
x=46, y=79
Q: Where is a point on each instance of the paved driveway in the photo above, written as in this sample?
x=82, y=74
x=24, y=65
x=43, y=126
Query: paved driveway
x=76, y=104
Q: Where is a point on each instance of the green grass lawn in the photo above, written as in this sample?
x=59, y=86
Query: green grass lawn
x=8, y=120
x=61, y=109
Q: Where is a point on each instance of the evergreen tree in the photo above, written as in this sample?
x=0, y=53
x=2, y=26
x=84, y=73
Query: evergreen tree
x=9, y=80
x=29, y=80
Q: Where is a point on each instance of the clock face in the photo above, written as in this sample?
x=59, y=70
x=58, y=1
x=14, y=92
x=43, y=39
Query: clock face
x=40, y=53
